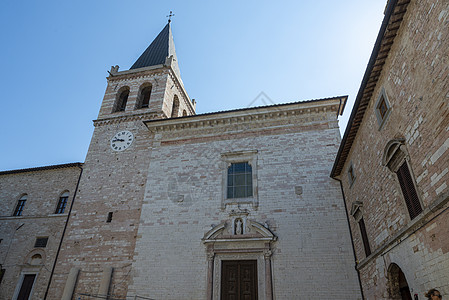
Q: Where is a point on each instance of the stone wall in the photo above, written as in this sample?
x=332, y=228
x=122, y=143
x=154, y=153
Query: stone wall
x=18, y=254
x=295, y=199
x=416, y=83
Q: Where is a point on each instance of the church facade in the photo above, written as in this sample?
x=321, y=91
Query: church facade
x=239, y=204
x=174, y=205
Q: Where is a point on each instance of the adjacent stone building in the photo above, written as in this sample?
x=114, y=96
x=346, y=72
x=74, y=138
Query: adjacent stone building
x=393, y=159
x=35, y=205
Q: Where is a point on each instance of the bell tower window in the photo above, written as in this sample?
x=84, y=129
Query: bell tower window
x=144, y=97
x=175, y=109
x=122, y=98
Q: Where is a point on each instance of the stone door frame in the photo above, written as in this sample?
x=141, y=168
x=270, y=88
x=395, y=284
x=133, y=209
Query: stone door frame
x=255, y=244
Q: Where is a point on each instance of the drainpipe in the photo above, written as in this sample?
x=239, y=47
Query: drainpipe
x=350, y=234
x=63, y=233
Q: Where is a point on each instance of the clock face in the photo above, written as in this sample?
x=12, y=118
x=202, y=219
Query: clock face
x=122, y=140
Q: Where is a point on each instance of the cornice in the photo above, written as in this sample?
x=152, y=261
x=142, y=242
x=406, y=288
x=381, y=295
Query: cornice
x=136, y=73
x=127, y=118
x=264, y=115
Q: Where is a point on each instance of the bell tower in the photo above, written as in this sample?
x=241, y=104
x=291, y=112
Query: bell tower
x=98, y=247
x=152, y=86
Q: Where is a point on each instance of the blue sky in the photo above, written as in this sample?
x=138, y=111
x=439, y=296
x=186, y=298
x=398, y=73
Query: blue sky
x=55, y=56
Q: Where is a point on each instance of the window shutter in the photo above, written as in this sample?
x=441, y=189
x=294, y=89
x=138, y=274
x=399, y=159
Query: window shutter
x=409, y=191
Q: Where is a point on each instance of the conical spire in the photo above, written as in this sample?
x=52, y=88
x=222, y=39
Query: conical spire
x=162, y=47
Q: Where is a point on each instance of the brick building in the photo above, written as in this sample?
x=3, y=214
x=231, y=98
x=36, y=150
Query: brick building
x=34, y=210
x=393, y=159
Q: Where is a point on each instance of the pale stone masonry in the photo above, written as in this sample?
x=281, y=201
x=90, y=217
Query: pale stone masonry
x=414, y=80
x=292, y=147
x=239, y=204
x=114, y=183
x=42, y=188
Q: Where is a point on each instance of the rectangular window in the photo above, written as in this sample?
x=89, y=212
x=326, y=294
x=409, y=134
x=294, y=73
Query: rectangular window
x=408, y=190
x=19, y=208
x=109, y=219
x=41, y=242
x=240, y=181
x=351, y=175
x=364, y=237
x=62, y=203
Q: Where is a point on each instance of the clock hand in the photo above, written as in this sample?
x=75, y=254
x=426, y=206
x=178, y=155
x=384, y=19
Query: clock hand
x=118, y=140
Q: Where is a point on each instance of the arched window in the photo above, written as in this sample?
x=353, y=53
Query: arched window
x=395, y=158
x=144, y=96
x=184, y=113
x=122, y=98
x=175, y=109
x=62, y=203
x=20, y=205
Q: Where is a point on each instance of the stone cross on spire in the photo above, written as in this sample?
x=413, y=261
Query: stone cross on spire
x=170, y=15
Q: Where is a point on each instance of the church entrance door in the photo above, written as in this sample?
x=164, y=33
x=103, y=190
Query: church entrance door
x=239, y=280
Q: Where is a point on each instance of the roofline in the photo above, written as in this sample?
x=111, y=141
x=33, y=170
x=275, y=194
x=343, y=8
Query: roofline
x=198, y=116
x=339, y=160
x=52, y=167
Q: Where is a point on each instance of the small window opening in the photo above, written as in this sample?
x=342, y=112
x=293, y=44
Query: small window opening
x=123, y=98
x=351, y=175
x=240, y=180
x=41, y=242
x=382, y=109
x=364, y=237
x=175, y=108
x=109, y=217
x=184, y=113
x=145, y=97
x=20, y=205
x=62, y=203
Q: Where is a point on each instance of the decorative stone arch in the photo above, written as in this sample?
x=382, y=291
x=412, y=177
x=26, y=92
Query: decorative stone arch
x=144, y=95
x=397, y=283
x=395, y=153
x=35, y=257
x=121, y=98
x=224, y=242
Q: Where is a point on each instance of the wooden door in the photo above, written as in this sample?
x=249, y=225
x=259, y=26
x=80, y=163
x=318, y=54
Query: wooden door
x=239, y=280
x=27, y=285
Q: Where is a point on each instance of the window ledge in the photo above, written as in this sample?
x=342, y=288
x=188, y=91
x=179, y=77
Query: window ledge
x=33, y=217
x=417, y=223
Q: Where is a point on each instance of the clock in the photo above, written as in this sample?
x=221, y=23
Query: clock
x=122, y=140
